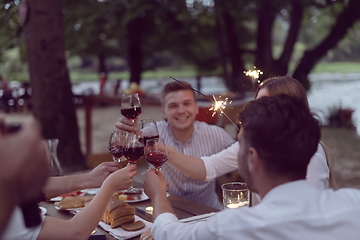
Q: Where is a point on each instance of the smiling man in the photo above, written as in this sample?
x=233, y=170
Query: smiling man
x=180, y=130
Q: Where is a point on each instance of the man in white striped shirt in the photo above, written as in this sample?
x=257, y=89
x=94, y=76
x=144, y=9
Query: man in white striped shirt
x=181, y=131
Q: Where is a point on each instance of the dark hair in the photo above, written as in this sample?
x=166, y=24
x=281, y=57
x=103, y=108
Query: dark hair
x=174, y=87
x=285, y=85
x=284, y=133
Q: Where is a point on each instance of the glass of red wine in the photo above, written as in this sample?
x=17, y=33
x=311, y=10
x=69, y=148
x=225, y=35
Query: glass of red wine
x=116, y=143
x=148, y=129
x=156, y=152
x=133, y=149
x=130, y=105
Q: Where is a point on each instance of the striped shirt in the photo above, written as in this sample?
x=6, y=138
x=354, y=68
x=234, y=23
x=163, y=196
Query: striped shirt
x=205, y=141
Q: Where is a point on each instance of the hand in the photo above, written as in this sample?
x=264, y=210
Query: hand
x=155, y=183
x=24, y=166
x=126, y=124
x=95, y=178
x=122, y=178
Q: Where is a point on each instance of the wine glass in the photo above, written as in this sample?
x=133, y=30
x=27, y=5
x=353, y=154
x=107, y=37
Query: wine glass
x=116, y=143
x=148, y=129
x=156, y=152
x=130, y=105
x=133, y=149
x=51, y=151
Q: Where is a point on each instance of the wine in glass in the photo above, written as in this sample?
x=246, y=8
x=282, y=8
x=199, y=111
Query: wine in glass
x=130, y=105
x=116, y=143
x=156, y=152
x=148, y=129
x=133, y=149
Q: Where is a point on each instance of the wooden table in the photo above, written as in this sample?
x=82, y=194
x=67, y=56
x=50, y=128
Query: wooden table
x=183, y=208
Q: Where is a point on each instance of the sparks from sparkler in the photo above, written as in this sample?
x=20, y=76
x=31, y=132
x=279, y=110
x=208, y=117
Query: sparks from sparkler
x=218, y=105
x=255, y=74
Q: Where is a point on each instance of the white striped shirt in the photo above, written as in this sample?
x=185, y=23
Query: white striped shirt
x=205, y=141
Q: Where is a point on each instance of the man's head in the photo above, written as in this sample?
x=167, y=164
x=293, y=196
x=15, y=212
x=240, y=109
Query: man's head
x=280, y=134
x=179, y=105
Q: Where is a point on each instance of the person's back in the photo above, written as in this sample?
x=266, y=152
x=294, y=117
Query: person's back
x=295, y=210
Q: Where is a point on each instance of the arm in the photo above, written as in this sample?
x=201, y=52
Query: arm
x=82, y=224
x=317, y=173
x=56, y=186
x=155, y=187
x=191, y=166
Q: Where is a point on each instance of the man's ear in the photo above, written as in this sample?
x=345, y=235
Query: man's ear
x=163, y=114
x=253, y=160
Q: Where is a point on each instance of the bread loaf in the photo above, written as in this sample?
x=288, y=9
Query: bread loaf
x=118, y=212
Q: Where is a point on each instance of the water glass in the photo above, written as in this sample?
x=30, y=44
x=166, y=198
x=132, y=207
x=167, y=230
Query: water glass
x=235, y=194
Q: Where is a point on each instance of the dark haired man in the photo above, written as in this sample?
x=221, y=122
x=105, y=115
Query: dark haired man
x=278, y=137
x=181, y=131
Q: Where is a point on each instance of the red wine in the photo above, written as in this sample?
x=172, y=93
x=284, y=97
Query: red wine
x=144, y=139
x=131, y=113
x=157, y=159
x=133, y=153
x=116, y=151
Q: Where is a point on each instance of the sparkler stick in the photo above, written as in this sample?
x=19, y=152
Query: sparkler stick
x=218, y=105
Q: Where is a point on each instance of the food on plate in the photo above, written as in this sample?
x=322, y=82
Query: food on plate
x=134, y=226
x=118, y=213
x=75, y=193
x=126, y=196
x=73, y=202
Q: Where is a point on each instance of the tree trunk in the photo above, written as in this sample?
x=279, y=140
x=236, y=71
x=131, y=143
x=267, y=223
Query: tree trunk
x=345, y=20
x=51, y=88
x=237, y=64
x=102, y=64
x=263, y=55
x=282, y=64
x=135, y=53
x=220, y=43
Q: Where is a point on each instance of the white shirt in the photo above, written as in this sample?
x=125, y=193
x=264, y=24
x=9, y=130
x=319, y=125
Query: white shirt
x=295, y=210
x=226, y=161
x=205, y=141
x=17, y=230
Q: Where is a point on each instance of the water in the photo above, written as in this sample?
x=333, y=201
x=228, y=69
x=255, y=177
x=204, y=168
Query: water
x=335, y=90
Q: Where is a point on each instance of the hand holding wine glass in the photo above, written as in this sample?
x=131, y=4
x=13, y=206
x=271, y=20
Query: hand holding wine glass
x=130, y=105
x=156, y=152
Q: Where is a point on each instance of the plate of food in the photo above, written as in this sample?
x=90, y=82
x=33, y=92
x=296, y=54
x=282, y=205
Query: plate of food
x=75, y=193
x=72, y=203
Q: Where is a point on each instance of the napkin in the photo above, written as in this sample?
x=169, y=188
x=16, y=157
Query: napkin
x=121, y=234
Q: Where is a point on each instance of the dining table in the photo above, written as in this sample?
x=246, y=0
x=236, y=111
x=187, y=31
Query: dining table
x=182, y=207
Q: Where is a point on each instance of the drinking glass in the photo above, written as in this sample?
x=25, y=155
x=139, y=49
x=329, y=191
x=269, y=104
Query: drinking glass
x=235, y=194
x=148, y=129
x=51, y=151
x=156, y=152
x=116, y=143
x=133, y=149
x=130, y=105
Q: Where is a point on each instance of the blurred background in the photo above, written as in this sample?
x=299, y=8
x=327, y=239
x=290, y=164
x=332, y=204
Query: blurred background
x=67, y=62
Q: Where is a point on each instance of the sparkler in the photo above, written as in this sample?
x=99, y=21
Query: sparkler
x=255, y=74
x=218, y=105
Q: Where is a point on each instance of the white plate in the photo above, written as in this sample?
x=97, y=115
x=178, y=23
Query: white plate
x=69, y=209
x=143, y=197
x=43, y=210
x=56, y=199
x=91, y=191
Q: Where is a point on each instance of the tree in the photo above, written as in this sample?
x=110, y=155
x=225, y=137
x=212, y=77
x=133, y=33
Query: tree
x=346, y=19
x=49, y=79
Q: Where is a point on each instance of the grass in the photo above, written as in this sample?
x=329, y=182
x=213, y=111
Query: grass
x=337, y=67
